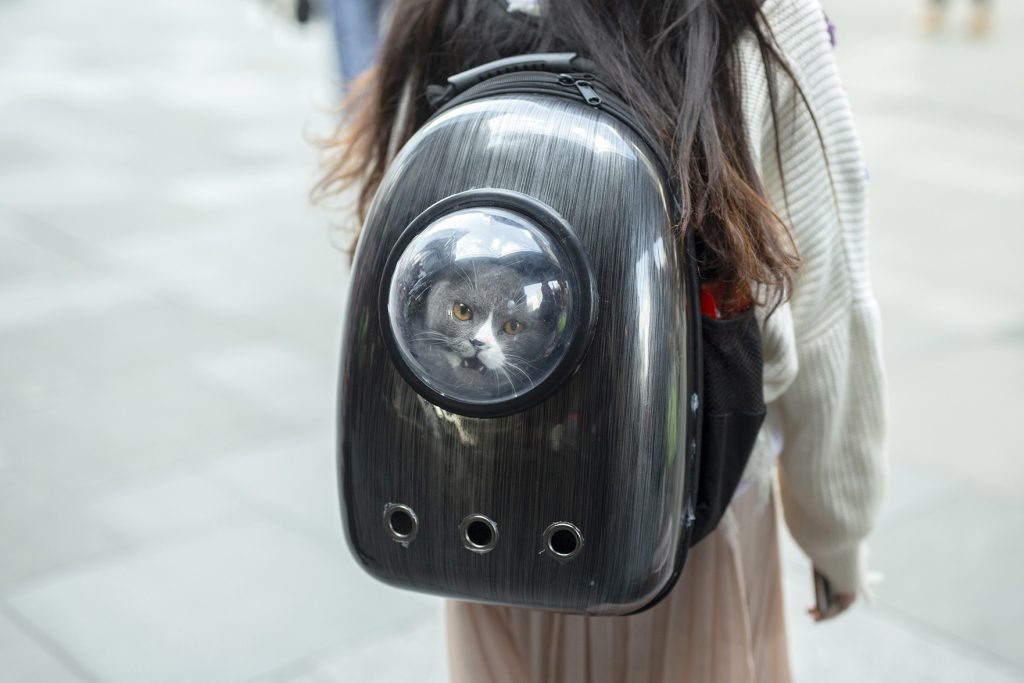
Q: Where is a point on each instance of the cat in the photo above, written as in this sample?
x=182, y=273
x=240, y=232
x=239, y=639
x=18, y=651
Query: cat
x=489, y=329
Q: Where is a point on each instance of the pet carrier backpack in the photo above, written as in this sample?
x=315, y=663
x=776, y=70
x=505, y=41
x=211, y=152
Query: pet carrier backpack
x=532, y=411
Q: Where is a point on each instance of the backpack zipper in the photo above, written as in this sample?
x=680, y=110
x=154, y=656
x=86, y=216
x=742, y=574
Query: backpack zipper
x=583, y=86
x=575, y=86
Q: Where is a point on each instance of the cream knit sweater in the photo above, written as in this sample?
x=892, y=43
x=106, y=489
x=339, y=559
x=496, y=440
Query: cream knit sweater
x=823, y=377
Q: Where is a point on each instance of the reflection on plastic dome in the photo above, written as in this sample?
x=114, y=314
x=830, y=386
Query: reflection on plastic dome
x=481, y=305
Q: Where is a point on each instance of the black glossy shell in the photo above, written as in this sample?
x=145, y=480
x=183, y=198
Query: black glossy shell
x=605, y=455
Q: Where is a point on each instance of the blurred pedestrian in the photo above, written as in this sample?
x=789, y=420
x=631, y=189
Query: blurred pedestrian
x=356, y=28
x=980, y=21
x=746, y=98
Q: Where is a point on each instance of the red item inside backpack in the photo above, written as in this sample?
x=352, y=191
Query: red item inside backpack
x=707, y=304
x=718, y=301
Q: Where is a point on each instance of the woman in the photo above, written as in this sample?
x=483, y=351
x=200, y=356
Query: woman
x=747, y=102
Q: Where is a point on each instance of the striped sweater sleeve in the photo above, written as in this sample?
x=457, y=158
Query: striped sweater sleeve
x=824, y=376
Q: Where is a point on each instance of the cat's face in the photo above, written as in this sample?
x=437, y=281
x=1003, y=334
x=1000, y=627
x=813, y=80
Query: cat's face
x=492, y=325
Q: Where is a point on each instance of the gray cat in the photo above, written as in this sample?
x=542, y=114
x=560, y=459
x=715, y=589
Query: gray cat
x=489, y=330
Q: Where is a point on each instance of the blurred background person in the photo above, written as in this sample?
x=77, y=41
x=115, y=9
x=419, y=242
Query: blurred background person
x=980, y=22
x=356, y=26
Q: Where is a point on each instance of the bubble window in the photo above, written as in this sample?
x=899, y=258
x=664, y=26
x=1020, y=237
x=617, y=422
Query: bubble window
x=489, y=303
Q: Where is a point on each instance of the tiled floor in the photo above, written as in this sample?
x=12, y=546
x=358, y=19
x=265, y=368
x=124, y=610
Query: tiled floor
x=169, y=316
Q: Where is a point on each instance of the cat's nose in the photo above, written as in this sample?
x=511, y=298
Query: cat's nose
x=478, y=343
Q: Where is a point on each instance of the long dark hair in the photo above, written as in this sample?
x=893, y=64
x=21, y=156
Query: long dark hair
x=674, y=61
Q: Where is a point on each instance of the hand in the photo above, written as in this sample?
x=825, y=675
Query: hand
x=841, y=603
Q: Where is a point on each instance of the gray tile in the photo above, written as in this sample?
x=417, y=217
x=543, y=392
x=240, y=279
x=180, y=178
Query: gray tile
x=914, y=491
x=793, y=558
x=870, y=645
x=278, y=379
x=11, y=236
x=24, y=263
x=129, y=425
x=150, y=213
x=955, y=413
x=81, y=183
x=230, y=285
x=301, y=678
x=287, y=258
x=293, y=478
x=228, y=605
x=183, y=500
x=24, y=660
x=47, y=536
x=956, y=569
x=80, y=354
x=406, y=652
x=28, y=304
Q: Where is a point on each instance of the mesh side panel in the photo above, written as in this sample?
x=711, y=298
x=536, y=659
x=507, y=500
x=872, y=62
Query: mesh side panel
x=733, y=367
x=733, y=412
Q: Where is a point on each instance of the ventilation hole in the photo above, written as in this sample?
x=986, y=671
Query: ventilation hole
x=401, y=522
x=479, y=533
x=563, y=541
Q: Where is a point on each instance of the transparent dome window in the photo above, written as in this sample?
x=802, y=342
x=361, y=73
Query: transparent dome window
x=483, y=305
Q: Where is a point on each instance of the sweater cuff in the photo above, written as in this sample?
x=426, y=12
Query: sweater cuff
x=846, y=569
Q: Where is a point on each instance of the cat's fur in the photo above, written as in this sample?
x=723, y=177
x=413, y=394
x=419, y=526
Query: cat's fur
x=479, y=356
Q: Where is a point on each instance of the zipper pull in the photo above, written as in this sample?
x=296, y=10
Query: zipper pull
x=590, y=95
x=584, y=86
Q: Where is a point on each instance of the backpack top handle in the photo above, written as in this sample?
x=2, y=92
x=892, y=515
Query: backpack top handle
x=556, y=62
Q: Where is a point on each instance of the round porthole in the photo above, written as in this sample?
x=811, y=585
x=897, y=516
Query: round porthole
x=488, y=303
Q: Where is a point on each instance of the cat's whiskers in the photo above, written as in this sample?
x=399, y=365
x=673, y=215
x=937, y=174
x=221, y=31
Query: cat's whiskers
x=432, y=336
x=510, y=382
x=465, y=276
x=513, y=366
x=521, y=359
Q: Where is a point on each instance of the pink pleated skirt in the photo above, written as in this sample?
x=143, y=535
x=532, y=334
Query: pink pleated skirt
x=723, y=623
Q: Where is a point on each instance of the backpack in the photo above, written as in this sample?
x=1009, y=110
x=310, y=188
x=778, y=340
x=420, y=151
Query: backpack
x=532, y=409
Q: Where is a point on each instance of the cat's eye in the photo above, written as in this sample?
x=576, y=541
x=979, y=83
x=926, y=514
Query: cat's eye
x=462, y=312
x=513, y=326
